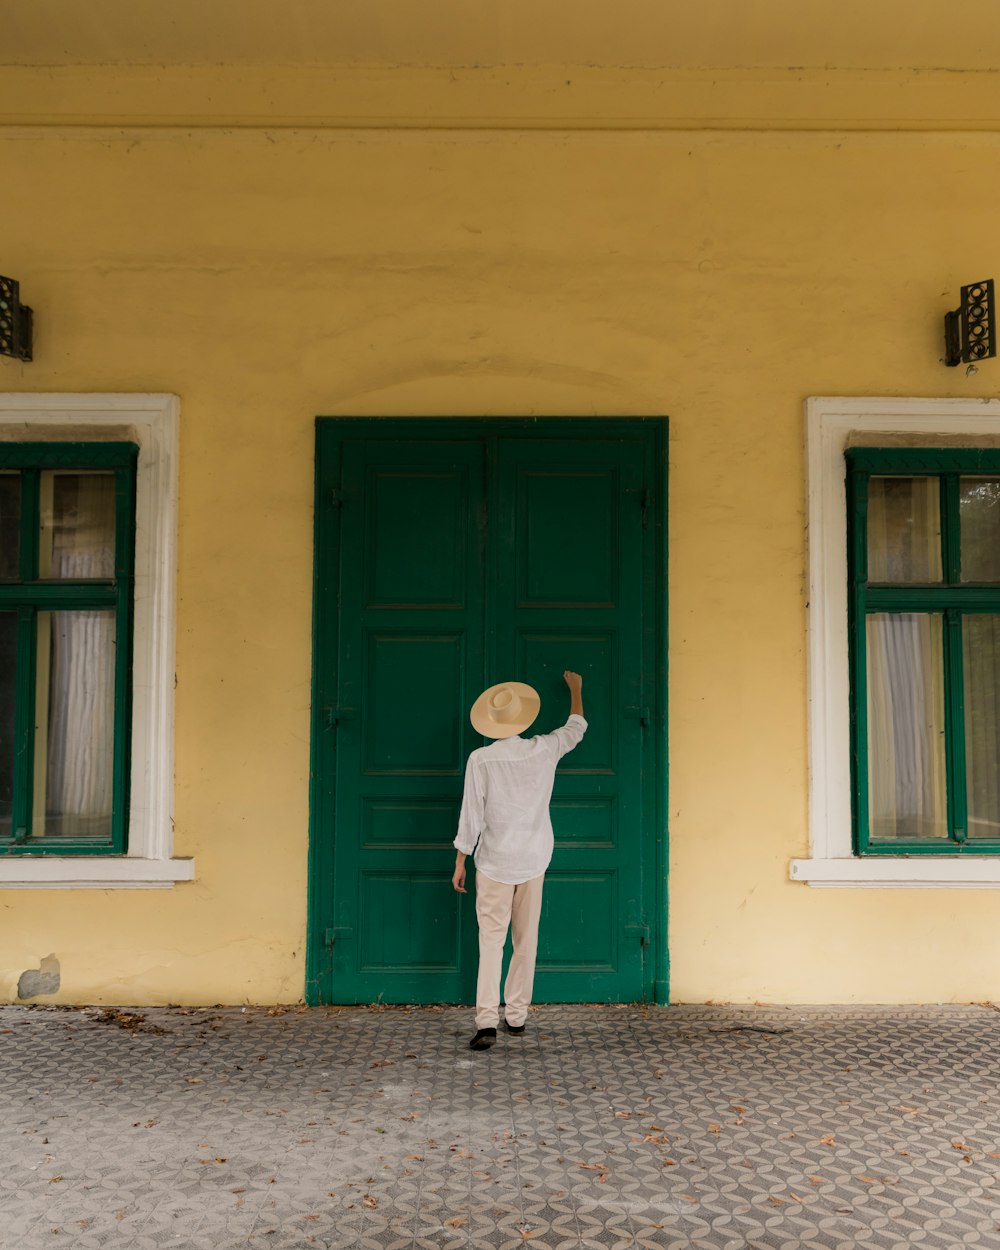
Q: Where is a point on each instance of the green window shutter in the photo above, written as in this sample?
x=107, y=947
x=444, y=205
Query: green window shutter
x=66, y=596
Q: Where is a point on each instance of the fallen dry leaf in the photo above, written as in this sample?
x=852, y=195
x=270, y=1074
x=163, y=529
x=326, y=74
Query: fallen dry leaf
x=660, y=1140
x=869, y=1180
x=778, y=1202
x=371, y=1202
x=827, y=1141
x=601, y=1168
x=457, y=1222
x=817, y=1180
x=623, y=1115
x=796, y=1197
x=669, y=1163
x=960, y=1145
x=715, y=1128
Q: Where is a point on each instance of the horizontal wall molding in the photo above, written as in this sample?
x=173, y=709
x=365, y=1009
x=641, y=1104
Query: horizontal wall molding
x=496, y=98
x=931, y=872
x=54, y=872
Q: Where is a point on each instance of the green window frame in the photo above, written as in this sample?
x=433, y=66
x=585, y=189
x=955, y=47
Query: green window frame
x=941, y=608
x=27, y=594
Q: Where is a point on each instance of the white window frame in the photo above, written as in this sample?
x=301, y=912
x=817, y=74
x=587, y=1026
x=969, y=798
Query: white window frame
x=152, y=422
x=832, y=425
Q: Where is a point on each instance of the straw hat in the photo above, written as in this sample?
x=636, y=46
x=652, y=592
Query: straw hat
x=505, y=709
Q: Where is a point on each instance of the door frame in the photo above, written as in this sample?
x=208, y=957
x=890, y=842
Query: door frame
x=330, y=431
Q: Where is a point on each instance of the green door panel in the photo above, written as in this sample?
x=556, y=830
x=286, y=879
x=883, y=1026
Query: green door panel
x=570, y=521
x=408, y=650
x=450, y=555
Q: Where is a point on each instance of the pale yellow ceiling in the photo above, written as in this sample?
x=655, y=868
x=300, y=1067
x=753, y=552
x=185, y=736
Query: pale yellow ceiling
x=839, y=34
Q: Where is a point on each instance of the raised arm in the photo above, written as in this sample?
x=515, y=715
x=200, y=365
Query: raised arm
x=575, y=683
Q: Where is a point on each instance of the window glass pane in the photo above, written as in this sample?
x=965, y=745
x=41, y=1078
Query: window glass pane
x=8, y=670
x=77, y=517
x=75, y=729
x=981, y=655
x=907, y=796
x=904, y=530
x=979, y=511
x=10, y=524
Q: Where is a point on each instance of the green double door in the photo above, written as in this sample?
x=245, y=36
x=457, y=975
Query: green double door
x=451, y=555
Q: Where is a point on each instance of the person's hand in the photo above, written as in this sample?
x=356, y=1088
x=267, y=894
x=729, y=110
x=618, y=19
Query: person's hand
x=458, y=879
x=574, y=681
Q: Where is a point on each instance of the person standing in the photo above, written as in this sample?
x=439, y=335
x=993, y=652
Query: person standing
x=505, y=823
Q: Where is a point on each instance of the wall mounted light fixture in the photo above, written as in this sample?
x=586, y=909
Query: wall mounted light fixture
x=970, y=330
x=15, y=321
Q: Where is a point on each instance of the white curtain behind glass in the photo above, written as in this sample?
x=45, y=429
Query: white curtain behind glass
x=981, y=662
x=79, y=772
x=906, y=762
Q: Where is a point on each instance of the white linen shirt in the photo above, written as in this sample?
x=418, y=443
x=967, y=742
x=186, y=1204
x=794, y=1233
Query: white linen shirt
x=505, y=809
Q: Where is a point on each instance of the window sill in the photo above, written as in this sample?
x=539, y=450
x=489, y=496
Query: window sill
x=95, y=872
x=916, y=872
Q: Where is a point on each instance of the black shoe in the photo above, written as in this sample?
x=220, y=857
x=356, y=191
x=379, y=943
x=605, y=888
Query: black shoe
x=513, y=1028
x=484, y=1039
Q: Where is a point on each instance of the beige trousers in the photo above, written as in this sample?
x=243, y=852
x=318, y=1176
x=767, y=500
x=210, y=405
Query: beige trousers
x=499, y=906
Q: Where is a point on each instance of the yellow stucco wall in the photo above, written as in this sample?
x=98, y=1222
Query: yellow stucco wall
x=719, y=277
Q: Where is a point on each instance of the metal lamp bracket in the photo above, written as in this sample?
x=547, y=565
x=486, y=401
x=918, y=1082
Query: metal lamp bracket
x=15, y=321
x=970, y=330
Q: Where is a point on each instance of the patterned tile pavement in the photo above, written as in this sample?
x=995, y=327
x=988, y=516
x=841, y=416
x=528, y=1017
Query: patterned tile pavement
x=691, y=1128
